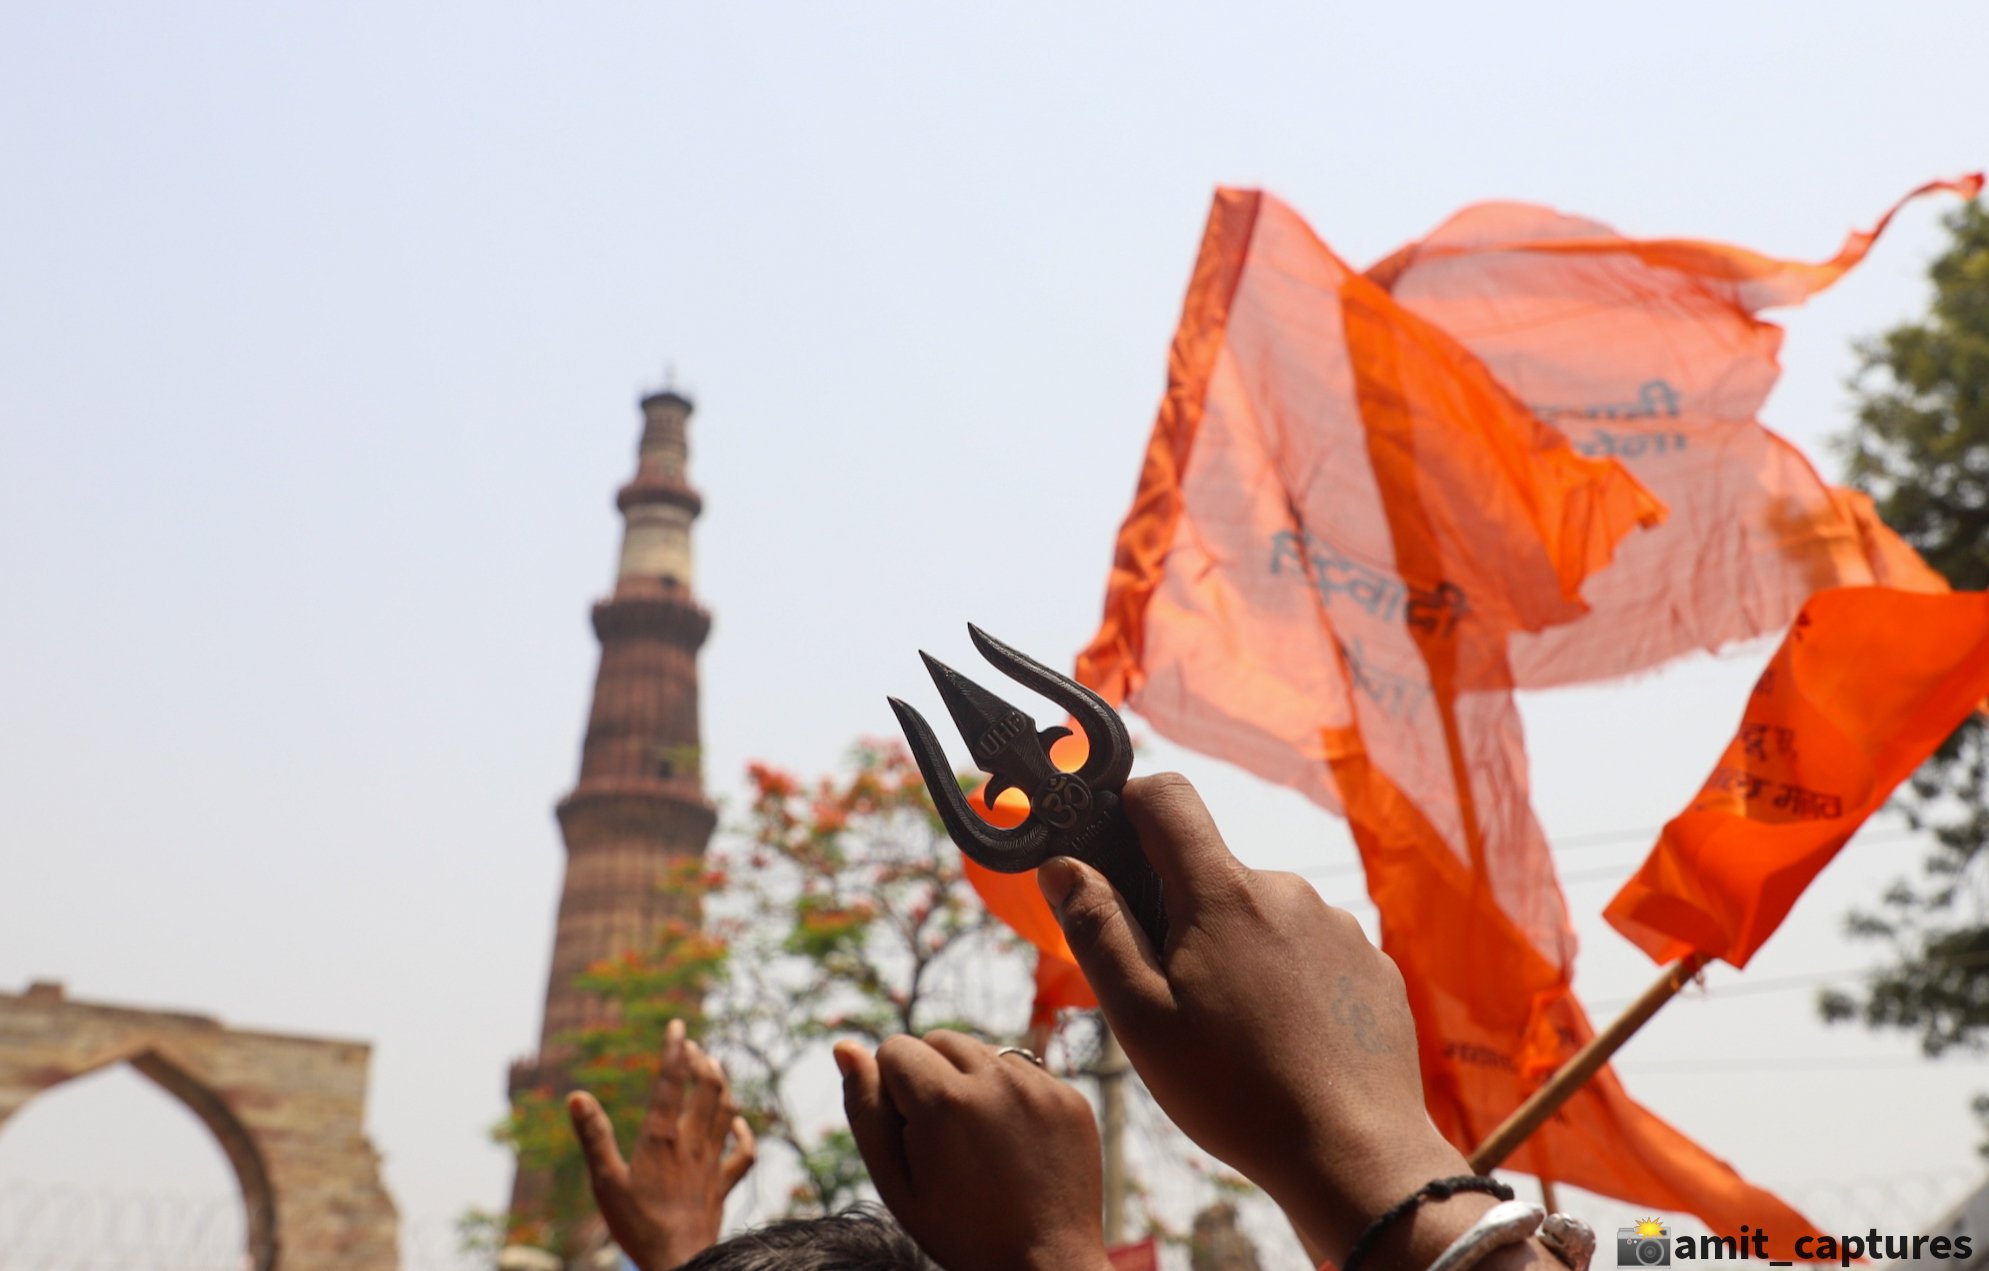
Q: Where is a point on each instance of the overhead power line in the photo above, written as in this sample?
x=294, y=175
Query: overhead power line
x=1645, y=836
x=1621, y=870
x=1763, y=1063
x=1780, y=984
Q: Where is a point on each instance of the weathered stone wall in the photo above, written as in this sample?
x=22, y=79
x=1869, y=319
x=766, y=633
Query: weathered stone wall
x=289, y=1112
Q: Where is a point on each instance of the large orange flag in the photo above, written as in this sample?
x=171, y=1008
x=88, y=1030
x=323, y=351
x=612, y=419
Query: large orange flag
x=1511, y=522
x=1644, y=351
x=1867, y=684
x=1342, y=522
x=1650, y=351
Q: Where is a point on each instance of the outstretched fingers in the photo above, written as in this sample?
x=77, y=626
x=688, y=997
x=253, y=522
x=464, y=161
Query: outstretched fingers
x=708, y=1104
x=666, y=1093
x=745, y=1150
x=607, y=1172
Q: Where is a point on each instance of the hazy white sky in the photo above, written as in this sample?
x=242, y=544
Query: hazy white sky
x=321, y=335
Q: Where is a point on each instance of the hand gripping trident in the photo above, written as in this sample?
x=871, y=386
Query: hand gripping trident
x=1076, y=814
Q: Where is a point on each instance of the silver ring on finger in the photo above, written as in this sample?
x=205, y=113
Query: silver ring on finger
x=1023, y=1051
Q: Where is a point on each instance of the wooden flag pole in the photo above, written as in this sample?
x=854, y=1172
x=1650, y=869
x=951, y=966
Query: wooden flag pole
x=1572, y=1075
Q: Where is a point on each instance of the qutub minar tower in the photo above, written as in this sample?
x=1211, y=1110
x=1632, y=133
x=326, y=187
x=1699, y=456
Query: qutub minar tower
x=639, y=805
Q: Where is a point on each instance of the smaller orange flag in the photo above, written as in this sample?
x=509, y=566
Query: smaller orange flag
x=1017, y=901
x=1868, y=682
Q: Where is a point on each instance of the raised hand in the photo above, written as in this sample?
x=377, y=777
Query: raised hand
x=1271, y=1031
x=986, y=1159
x=667, y=1201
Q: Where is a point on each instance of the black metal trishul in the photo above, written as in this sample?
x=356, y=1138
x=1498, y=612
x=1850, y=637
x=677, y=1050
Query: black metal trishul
x=1076, y=814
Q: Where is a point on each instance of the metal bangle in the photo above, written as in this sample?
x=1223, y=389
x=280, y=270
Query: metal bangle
x=1568, y=1238
x=1504, y=1224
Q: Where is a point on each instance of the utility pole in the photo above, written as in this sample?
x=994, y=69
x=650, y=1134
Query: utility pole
x=1111, y=1071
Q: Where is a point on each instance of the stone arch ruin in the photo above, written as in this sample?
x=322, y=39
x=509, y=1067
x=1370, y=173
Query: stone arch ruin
x=287, y=1111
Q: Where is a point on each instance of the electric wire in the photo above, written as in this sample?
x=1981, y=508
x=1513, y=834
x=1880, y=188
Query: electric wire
x=1781, y=984
x=1709, y=993
x=1602, y=838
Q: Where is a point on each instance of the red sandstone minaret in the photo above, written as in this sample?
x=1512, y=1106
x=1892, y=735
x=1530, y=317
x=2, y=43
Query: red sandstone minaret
x=639, y=803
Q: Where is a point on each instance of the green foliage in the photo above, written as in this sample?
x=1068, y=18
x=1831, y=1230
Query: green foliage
x=480, y=1232
x=832, y=1174
x=616, y=1062
x=1920, y=448
x=836, y=909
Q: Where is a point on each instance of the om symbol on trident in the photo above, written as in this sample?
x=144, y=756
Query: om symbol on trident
x=1063, y=799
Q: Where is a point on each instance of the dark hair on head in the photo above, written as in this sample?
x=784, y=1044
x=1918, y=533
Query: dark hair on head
x=860, y=1238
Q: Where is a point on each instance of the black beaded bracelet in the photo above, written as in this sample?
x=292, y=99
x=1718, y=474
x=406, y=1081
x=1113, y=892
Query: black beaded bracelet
x=1435, y=1189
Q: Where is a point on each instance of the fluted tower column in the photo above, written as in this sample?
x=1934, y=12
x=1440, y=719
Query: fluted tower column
x=639, y=804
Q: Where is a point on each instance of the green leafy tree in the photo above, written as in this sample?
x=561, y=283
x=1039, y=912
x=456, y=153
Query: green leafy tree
x=834, y=908
x=837, y=909
x=1920, y=448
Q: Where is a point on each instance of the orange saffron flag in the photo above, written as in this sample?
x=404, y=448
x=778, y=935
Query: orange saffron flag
x=1867, y=684
x=1650, y=351
x=1343, y=524
x=1016, y=900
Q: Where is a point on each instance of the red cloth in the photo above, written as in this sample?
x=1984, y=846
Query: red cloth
x=1140, y=1255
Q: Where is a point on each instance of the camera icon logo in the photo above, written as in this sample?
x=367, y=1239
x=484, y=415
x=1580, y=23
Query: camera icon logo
x=1643, y=1245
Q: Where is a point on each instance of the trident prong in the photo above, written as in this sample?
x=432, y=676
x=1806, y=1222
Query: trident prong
x=1070, y=813
x=1008, y=851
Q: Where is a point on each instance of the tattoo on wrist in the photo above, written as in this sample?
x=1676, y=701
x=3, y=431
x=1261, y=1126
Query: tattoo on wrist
x=1352, y=1012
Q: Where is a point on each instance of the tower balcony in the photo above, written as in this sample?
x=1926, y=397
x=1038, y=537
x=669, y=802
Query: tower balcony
x=660, y=608
x=658, y=487
x=670, y=812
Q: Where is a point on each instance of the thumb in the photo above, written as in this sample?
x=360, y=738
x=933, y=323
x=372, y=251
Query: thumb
x=607, y=1173
x=1107, y=942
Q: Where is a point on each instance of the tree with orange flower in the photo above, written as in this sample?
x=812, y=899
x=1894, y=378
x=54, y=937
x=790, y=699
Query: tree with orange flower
x=835, y=908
